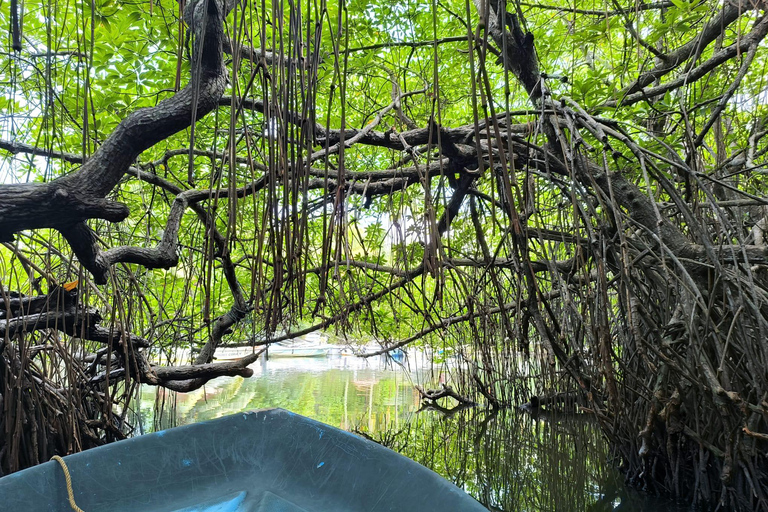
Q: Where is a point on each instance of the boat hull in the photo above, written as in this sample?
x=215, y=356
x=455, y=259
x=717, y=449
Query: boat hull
x=262, y=461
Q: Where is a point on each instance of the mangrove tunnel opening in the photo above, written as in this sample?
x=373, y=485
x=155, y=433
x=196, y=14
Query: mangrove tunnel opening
x=566, y=200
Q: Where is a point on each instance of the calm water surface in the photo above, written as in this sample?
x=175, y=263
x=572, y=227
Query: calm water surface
x=508, y=461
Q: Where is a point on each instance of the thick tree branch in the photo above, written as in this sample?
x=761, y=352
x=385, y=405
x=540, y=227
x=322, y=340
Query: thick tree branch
x=191, y=377
x=731, y=11
x=61, y=312
x=742, y=45
x=67, y=202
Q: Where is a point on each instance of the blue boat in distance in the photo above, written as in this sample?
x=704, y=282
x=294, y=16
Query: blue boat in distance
x=261, y=461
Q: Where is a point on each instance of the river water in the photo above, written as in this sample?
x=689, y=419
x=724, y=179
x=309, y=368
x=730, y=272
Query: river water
x=509, y=461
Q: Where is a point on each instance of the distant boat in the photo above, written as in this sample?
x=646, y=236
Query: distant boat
x=262, y=461
x=310, y=345
x=300, y=348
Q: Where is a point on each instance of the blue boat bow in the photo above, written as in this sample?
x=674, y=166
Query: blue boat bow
x=262, y=461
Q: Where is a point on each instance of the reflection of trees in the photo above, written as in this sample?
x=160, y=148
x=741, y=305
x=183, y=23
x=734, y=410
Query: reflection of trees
x=511, y=461
x=331, y=396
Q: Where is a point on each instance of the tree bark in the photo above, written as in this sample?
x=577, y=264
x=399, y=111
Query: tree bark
x=68, y=202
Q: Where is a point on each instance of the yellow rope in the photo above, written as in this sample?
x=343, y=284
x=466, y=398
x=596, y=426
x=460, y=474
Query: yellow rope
x=69, y=483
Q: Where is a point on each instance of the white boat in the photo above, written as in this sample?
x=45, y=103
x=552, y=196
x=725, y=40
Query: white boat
x=287, y=349
x=311, y=345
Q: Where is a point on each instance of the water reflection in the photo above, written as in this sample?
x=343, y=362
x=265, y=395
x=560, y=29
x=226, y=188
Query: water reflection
x=511, y=461
x=508, y=460
x=343, y=391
